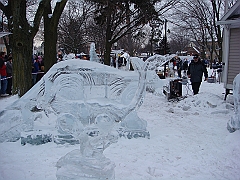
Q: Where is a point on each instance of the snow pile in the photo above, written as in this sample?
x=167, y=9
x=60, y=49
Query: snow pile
x=205, y=103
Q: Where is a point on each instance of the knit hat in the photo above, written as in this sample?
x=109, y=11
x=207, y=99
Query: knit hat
x=195, y=56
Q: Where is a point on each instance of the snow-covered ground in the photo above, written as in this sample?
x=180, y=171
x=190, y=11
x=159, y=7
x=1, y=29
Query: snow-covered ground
x=188, y=140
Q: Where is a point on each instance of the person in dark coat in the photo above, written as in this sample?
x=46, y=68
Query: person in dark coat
x=185, y=65
x=179, y=64
x=9, y=75
x=3, y=74
x=35, y=69
x=196, y=69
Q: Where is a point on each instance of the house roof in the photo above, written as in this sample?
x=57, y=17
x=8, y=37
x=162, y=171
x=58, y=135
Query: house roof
x=232, y=16
x=196, y=49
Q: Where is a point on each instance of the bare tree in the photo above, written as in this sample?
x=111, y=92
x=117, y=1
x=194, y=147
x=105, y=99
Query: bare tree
x=73, y=28
x=139, y=40
x=179, y=40
x=120, y=18
x=24, y=29
x=200, y=18
x=96, y=34
x=51, y=19
x=21, y=41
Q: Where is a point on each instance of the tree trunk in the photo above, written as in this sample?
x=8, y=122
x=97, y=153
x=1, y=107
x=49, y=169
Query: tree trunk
x=108, y=42
x=22, y=42
x=129, y=35
x=22, y=49
x=22, y=65
x=50, y=33
x=107, y=53
x=50, y=40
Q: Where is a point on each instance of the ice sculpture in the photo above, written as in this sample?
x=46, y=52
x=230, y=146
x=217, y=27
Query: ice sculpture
x=157, y=60
x=234, y=122
x=153, y=84
x=87, y=100
x=84, y=99
x=82, y=88
x=93, y=54
x=103, y=96
x=89, y=162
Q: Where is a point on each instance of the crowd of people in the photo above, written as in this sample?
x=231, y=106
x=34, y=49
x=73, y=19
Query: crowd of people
x=37, y=68
x=178, y=65
x=193, y=70
x=6, y=72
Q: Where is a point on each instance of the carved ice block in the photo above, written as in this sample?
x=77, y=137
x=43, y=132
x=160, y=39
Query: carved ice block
x=234, y=122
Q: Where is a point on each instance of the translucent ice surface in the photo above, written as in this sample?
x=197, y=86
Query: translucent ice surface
x=84, y=100
x=234, y=123
x=93, y=54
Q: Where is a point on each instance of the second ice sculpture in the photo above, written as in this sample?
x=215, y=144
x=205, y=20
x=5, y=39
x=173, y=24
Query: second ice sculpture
x=93, y=54
x=234, y=123
x=153, y=83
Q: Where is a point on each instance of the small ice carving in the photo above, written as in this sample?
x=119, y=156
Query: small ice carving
x=93, y=54
x=234, y=122
x=88, y=162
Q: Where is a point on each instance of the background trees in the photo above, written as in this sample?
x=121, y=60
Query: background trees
x=22, y=42
x=75, y=26
x=120, y=18
x=24, y=29
x=51, y=18
x=198, y=18
x=129, y=23
x=179, y=39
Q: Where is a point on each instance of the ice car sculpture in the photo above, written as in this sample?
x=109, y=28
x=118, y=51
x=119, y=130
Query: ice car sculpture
x=86, y=100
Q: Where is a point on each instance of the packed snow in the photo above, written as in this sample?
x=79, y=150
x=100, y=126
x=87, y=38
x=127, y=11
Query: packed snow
x=188, y=140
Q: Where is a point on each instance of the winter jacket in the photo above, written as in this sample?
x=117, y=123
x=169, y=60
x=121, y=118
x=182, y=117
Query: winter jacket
x=1, y=62
x=3, y=71
x=196, y=71
x=179, y=64
x=9, y=68
x=185, y=65
x=35, y=66
x=3, y=67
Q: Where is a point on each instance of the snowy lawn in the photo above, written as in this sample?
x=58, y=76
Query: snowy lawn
x=188, y=140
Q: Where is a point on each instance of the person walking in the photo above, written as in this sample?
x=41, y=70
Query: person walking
x=196, y=69
x=3, y=73
x=185, y=66
x=179, y=64
x=9, y=75
x=35, y=69
x=41, y=68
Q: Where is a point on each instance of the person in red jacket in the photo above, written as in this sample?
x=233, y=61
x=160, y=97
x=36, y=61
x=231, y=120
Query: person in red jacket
x=3, y=73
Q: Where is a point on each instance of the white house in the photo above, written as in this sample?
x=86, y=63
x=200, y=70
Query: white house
x=231, y=45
